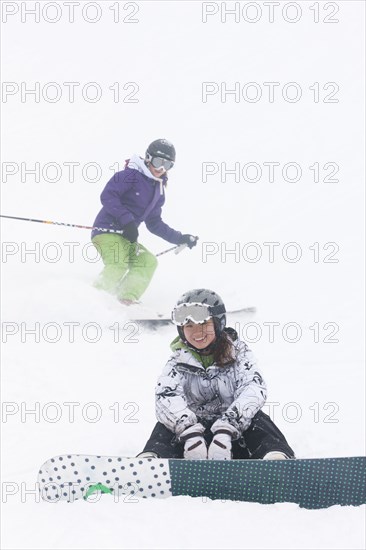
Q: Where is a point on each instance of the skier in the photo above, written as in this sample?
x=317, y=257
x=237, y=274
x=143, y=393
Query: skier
x=209, y=396
x=132, y=196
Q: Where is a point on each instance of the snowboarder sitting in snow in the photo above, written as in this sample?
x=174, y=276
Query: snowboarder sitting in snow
x=209, y=397
x=133, y=196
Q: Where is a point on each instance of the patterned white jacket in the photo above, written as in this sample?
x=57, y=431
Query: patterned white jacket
x=221, y=397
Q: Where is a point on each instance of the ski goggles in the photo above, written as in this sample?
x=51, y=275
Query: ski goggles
x=194, y=312
x=159, y=162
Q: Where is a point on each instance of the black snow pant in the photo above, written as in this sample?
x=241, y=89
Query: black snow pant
x=260, y=438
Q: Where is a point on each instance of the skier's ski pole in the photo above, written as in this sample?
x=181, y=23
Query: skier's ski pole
x=63, y=223
x=178, y=248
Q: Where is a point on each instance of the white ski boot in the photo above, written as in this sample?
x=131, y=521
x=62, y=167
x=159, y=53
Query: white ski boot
x=275, y=455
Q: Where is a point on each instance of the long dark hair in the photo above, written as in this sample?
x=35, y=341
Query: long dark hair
x=223, y=352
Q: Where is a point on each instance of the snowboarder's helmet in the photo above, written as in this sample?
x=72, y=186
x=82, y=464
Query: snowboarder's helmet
x=199, y=305
x=161, y=148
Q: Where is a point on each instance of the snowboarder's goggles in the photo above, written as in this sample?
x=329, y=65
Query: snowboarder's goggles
x=159, y=162
x=195, y=312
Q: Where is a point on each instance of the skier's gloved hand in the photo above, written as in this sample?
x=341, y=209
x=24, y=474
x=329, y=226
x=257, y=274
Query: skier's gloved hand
x=189, y=240
x=130, y=232
x=220, y=448
x=194, y=443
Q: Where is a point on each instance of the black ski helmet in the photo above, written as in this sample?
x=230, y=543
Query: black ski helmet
x=161, y=148
x=209, y=298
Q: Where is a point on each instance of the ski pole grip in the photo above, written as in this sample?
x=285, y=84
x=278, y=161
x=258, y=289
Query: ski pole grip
x=180, y=248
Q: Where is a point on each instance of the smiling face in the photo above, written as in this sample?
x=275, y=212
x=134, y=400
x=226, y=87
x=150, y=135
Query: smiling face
x=200, y=336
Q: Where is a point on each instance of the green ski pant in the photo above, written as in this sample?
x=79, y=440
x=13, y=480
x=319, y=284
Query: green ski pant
x=128, y=267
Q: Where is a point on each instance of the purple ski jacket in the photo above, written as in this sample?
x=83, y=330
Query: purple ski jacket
x=134, y=195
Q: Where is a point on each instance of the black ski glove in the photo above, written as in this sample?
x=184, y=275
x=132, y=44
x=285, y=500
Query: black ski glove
x=130, y=232
x=189, y=240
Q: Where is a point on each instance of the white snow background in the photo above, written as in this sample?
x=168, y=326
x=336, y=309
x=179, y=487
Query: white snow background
x=316, y=388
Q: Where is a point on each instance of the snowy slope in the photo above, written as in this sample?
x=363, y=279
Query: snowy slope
x=316, y=384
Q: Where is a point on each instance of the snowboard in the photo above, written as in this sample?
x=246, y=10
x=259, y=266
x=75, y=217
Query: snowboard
x=312, y=483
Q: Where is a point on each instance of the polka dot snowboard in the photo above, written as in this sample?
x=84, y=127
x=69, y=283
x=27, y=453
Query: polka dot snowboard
x=75, y=477
x=311, y=483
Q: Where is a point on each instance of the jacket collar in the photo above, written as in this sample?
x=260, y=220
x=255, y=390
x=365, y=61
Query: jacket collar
x=138, y=163
x=189, y=356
